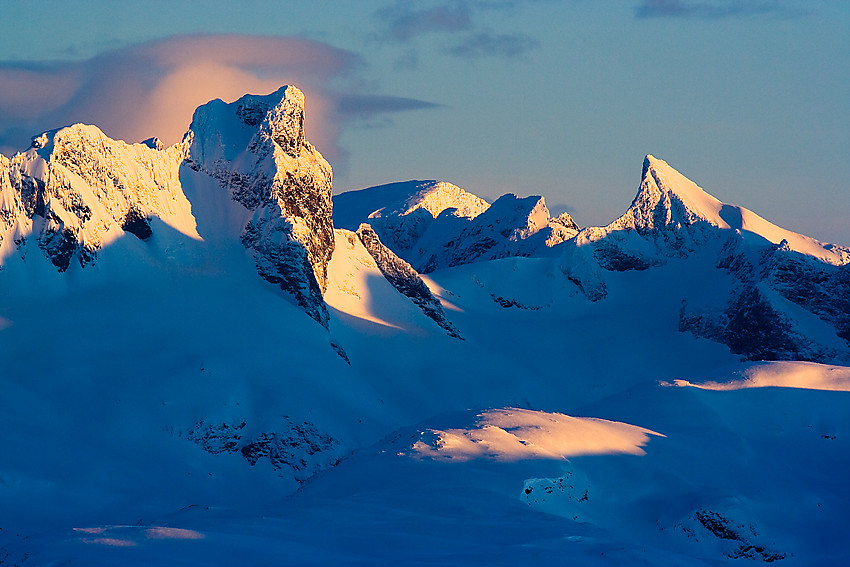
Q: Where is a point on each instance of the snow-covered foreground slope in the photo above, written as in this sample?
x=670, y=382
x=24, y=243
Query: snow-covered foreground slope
x=107, y=465
x=168, y=400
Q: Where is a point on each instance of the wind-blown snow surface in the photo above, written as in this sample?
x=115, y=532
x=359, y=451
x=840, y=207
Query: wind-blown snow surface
x=165, y=405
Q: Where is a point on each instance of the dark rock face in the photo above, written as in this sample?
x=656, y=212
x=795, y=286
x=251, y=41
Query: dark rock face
x=405, y=279
x=673, y=220
x=756, y=323
x=761, y=328
x=752, y=327
x=296, y=448
x=60, y=245
x=256, y=149
x=137, y=224
x=283, y=260
x=733, y=539
x=820, y=288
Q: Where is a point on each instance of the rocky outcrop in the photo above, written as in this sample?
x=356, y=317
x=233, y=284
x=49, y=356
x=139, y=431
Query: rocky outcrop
x=729, y=536
x=256, y=149
x=292, y=448
x=752, y=327
x=405, y=279
x=434, y=225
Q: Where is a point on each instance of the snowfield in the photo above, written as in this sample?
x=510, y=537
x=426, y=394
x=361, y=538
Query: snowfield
x=226, y=378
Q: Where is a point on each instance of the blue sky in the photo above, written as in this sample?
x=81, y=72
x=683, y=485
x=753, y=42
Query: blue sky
x=750, y=99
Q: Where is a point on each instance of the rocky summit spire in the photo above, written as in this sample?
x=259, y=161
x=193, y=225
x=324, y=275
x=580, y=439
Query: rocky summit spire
x=255, y=147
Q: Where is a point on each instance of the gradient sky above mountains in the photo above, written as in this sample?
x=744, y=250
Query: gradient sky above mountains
x=749, y=98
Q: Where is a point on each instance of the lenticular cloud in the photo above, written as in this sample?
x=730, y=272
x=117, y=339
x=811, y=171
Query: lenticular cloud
x=151, y=89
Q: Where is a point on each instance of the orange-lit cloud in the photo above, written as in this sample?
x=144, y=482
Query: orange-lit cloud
x=152, y=89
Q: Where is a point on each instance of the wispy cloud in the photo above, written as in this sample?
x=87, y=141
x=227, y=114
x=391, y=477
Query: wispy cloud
x=403, y=21
x=488, y=44
x=370, y=105
x=715, y=9
x=152, y=89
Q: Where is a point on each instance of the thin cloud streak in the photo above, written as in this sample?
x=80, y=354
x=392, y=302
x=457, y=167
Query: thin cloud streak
x=360, y=105
x=488, y=44
x=404, y=22
x=715, y=9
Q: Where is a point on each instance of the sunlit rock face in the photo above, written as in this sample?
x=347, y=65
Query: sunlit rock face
x=76, y=190
x=255, y=147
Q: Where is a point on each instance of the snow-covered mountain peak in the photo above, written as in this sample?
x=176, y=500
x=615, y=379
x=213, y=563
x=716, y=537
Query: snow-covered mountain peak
x=526, y=215
x=435, y=197
x=256, y=183
x=669, y=203
x=405, y=198
x=256, y=150
x=668, y=198
x=434, y=224
x=78, y=190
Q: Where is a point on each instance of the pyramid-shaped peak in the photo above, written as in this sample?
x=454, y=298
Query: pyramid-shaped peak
x=667, y=200
x=662, y=182
x=652, y=161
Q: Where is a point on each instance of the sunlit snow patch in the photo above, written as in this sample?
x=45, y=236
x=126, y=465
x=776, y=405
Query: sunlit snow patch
x=808, y=375
x=356, y=283
x=513, y=434
x=160, y=532
x=130, y=536
x=111, y=541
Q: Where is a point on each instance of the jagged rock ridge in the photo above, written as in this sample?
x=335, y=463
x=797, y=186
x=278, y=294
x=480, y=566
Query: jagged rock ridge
x=405, y=279
x=435, y=225
x=76, y=190
x=256, y=149
x=773, y=269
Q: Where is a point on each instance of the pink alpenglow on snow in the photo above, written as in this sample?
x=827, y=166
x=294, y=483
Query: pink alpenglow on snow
x=513, y=434
x=783, y=374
